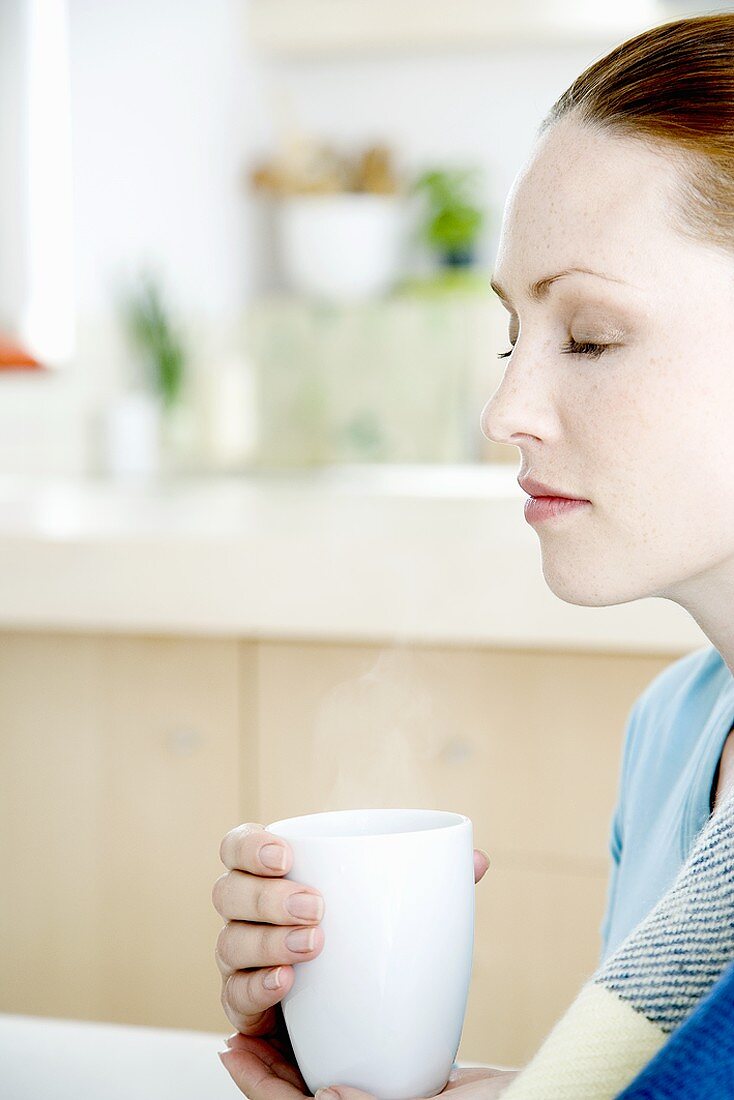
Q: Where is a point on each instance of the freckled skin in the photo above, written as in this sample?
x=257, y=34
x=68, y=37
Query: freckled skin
x=645, y=431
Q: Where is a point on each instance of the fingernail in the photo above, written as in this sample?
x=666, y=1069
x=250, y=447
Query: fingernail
x=223, y=1055
x=231, y=1038
x=326, y=1094
x=483, y=853
x=272, y=978
x=302, y=939
x=305, y=906
x=273, y=856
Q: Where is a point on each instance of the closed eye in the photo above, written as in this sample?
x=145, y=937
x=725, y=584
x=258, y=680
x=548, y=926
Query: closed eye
x=571, y=347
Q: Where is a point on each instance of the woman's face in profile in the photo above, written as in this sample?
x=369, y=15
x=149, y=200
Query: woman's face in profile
x=643, y=425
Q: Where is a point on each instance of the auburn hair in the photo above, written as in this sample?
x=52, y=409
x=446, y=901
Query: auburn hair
x=671, y=87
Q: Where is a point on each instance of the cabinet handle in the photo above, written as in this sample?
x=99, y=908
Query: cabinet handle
x=456, y=751
x=184, y=742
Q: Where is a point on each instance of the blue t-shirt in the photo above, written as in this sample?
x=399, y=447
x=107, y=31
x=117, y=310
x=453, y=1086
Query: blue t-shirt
x=674, y=736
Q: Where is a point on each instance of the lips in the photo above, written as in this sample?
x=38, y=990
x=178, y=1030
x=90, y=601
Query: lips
x=540, y=509
x=539, y=489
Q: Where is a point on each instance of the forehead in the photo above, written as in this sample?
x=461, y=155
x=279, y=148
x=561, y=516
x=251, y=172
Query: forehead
x=593, y=199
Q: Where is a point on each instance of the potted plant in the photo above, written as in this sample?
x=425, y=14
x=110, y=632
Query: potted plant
x=146, y=419
x=453, y=221
x=339, y=219
x=155, y=339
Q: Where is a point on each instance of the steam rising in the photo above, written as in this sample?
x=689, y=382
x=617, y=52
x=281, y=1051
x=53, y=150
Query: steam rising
x=376, y=735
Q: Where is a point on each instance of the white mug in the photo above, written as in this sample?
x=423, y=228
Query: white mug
x=381, y=1008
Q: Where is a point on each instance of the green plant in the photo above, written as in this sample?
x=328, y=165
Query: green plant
x=453, y=220
x=151, y=331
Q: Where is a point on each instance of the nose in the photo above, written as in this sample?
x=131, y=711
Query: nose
x=517, y=411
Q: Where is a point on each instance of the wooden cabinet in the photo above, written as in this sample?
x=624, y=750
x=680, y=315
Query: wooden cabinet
x=120, y=769
x=526, y=743
x=123, y=760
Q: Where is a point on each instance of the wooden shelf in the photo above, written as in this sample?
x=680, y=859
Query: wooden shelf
x=311, y=28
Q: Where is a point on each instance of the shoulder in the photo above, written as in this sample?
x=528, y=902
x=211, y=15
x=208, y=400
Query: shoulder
x=696, y=677
x=675, y=705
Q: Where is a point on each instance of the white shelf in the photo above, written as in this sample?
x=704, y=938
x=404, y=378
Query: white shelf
x=303, y=28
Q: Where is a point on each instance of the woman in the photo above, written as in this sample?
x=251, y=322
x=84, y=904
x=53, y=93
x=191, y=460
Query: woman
x=616, y=266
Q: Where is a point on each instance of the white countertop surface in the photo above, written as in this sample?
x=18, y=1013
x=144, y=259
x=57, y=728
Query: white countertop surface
x=51, y=1059
x=431, y=554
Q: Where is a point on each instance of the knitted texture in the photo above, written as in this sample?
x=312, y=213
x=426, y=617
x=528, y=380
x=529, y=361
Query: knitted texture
x=698, y=1059
x=674, y=956
x=614, y=1041
x=651, y=983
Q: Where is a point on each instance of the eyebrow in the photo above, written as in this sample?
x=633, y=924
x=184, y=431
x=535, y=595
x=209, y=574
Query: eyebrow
x=539, y=289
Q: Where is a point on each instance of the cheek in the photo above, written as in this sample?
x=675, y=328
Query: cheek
x=676, y=443
x=660, y=456
x=660, y=428
x=654, y=448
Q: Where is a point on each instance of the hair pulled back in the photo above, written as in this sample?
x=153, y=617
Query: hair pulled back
x=671, y=87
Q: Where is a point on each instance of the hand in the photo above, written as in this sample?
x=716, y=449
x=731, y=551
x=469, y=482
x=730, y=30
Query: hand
x=252, y=898
x=260, y=1072
x=252, y=946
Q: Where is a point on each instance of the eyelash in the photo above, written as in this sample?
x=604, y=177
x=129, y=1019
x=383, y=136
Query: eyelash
x=570, y=348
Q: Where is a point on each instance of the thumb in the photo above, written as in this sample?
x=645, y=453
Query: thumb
x=481, y=863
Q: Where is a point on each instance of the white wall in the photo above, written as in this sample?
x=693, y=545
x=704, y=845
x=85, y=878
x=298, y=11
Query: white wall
x=159, y=137
x=465, y=108
x=168, y=112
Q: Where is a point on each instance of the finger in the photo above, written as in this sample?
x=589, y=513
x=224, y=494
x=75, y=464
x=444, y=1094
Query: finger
x=237, y=895
x=258, y=1071
x=278, y=1063
x=242, y=848
x=481, y=863
x=262, y=1024
x=465, y=1075
x=246, y=999
x=344, y=1092
x=242, y=945
x=284, y=1046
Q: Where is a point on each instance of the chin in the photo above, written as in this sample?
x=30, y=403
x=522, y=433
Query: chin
x=573, y=586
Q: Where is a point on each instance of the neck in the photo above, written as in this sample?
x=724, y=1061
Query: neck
x=708, y=598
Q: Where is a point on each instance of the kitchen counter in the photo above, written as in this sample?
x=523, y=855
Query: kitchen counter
x=67, y=1059
x=431, y=554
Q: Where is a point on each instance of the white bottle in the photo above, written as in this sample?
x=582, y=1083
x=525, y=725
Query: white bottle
x=132, y=435
x=230, y=414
